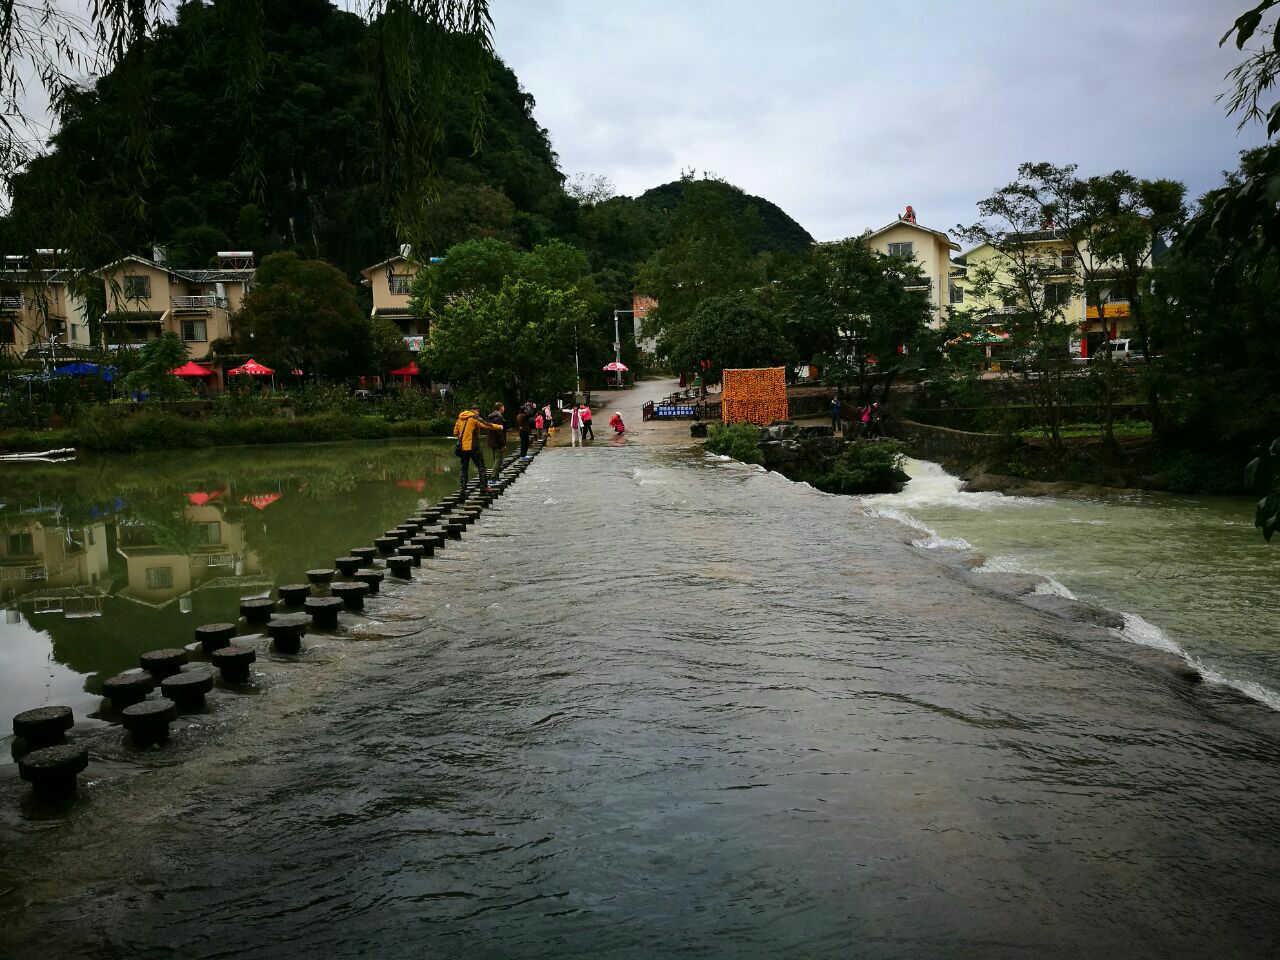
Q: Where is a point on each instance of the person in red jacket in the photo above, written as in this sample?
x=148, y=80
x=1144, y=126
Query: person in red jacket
x=616, y=422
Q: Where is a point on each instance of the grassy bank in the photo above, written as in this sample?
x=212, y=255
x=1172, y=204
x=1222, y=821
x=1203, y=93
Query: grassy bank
x=149, y=430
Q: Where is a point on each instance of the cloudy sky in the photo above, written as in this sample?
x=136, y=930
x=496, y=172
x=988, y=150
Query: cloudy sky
x=844, y=111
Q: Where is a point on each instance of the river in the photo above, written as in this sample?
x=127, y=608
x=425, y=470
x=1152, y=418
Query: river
x=658, y=705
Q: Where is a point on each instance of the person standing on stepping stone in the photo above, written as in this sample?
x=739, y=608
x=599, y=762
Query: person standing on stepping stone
x=524, y=425
x=469, y=422
x=498, y=438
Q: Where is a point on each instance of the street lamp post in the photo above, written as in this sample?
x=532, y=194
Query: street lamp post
x=617, y=341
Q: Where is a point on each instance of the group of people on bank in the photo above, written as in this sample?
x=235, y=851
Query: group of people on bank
x=868, y=421
x=531, y=421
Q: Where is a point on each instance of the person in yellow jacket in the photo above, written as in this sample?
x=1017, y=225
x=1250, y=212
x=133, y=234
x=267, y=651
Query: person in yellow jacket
x=469, y=449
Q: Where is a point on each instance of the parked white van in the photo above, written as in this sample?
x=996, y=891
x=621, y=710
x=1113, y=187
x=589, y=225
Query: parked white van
x=1123, y=350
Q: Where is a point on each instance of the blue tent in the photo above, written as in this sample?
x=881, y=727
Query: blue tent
x=82, y=369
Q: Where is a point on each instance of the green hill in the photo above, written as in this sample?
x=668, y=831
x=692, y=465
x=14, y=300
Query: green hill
x=778, y=233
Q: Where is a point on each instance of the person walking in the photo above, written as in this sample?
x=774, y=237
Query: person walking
x=547, y=421
x=864, y=420
x=836, y=409
x=619, y=428
x=877, y=421
x=575, y=427
x=587, y=432
x=524, y=426
x=540, y=425
x=498, y=438
x=469, y=451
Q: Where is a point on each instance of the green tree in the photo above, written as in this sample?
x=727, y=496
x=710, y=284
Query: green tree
x=155, y=359
x=861, y=315
x=387, y=349
x=705, y=252
x=733, y=331
x=514, y=343
x=303, y=314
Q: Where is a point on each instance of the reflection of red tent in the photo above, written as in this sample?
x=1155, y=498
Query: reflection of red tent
x=251, y=367
x=416, y=485
x=296, y=372
x=199, y=498
x=262, y=500
x=191, y=369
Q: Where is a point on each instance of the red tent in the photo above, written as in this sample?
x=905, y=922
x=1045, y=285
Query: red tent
x=191, y=369
x=261, y=500
x=252, y=367
x=410, y=371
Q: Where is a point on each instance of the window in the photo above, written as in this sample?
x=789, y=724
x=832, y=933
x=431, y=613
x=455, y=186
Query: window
x=137, y=288
x=159, y=578
x=906, y=249
x=88, y=531
x=73, y=333
x=210, y=532
x=399, y=283
x=21, y=545
x=957, y=294
x=8, y=331
x=193, y=330
x=1056, y=295
x=1068, y=262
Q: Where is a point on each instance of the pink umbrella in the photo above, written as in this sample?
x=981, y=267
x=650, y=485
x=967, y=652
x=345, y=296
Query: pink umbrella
x=615, y=367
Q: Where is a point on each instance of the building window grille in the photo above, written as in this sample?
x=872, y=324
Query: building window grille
x=21, y=545
x=159, y=578
x=957, y=294
x=399, y=284
x=904, y=249
x=137, y=288
x=193, y=330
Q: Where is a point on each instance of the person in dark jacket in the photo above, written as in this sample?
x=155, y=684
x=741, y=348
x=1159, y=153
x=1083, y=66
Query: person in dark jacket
x=837, y=408
x=498, y=438
x=524, y=426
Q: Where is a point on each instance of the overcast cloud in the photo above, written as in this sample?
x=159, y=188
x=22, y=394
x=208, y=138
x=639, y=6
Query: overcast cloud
x=844, y=112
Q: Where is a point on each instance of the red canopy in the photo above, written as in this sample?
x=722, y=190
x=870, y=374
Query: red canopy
x=191, y=369
x=410, y=371
x=251, y=367
x=262, y=500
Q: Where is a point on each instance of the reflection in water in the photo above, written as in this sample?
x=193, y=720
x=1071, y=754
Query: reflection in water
x=103, y=559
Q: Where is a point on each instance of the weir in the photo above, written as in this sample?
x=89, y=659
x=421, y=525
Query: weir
x=654, y=704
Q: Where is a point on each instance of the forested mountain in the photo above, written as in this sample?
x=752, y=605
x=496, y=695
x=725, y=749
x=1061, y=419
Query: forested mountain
x=290, y=161
x=778, y=233
x=288, y=165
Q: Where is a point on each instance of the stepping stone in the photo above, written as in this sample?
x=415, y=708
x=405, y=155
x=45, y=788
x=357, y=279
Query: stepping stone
x=214, y=636
x=428, y=542
x=400, y=565
x=52, y=771
x=234, y=662
x=148, y=721
x=321, y=577
x=348, y=565
x=187, y=689
x=387, y=545
x=351, y=592
x=286, y=632
x=43, y=726
x=163, y=663
x=324, y=611
x=396, y=534
x=364, y=553
x=257, y=609
x=370, y=578
x=409, y=528
x=455, y=528
x=128, y=688
x=414, y=552
x=292, y=594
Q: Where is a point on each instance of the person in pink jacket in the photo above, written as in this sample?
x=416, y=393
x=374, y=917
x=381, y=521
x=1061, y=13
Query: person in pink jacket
x=587, y=432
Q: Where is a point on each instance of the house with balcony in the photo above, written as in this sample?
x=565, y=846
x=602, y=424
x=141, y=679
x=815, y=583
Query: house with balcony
x=146, y=298
x=390, y=283
x=41, y=312
x=1062, y=288
x=931, y=249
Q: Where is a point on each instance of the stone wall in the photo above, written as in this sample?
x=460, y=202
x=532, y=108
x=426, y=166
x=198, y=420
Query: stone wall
x=949, y=446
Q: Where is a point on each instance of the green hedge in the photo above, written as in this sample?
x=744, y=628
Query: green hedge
x=149, y=430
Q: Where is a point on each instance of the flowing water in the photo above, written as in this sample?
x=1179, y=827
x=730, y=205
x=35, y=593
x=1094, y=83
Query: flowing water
x=655, y=705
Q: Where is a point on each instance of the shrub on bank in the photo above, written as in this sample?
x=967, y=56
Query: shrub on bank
x=865, y=466
x=741, y=441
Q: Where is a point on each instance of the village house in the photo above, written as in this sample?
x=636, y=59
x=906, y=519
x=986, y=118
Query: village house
x=40, y=311
x=146, y=298
x=390, y=282
x=930, y=248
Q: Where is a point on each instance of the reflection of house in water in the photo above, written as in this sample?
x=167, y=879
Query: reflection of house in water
x=56, y=568
x=156, y=572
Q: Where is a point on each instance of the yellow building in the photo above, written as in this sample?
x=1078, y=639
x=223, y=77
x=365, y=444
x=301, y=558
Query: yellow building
x=40, y=311
x=1059, y=264
x=931, y=249
x=58, y=569
x=146, y=298
x=390, y=282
